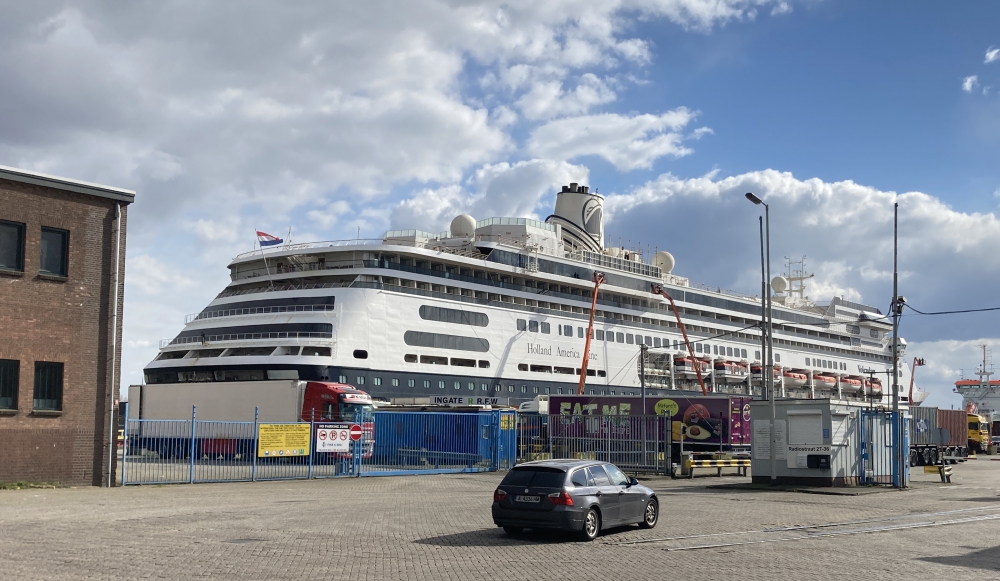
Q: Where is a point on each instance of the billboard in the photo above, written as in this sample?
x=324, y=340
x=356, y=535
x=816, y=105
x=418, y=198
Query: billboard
x=699, y=419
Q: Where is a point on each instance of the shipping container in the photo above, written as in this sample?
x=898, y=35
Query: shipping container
x=955, y=422
x=923, y=426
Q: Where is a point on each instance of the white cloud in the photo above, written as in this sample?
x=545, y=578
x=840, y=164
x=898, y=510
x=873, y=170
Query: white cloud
x=549, y=99
x=628, y=142
x=946, y=362
x=330, y=215
x=992, y=54
x=969, y=82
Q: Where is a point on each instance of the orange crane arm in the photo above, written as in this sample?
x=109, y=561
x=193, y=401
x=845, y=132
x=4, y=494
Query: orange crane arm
x=598, y=281
x=696, y=363
x=913, y=371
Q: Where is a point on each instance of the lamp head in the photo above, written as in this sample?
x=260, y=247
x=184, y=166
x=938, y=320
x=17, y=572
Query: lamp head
x=754, y=199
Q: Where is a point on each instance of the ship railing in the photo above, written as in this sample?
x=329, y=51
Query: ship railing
x=256, y=311
x=280, y=287
x=206, y=339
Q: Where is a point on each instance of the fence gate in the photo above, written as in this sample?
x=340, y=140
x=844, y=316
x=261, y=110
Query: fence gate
x=882, y=435
x=634, y=443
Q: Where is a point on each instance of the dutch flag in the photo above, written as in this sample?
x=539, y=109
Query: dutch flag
x=265, y=239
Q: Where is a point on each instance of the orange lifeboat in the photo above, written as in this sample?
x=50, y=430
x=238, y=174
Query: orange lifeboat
x=825, y=382
x=793, y=379
x=850, y=385
x=684, y=367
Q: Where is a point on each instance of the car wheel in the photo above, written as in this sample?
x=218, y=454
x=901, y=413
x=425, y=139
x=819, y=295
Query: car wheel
x=651, y=514
x=513, y=531
x=591, y=526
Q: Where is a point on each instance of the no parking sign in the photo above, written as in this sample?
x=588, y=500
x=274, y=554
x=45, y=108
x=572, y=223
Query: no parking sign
x=333, y=437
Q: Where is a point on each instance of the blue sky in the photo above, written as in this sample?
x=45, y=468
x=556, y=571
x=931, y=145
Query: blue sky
x=335, y=118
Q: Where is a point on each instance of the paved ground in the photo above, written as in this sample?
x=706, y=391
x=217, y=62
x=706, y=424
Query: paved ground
x=439, y=527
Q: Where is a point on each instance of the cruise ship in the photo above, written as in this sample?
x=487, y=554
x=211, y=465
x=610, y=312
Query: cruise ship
x=500, y=308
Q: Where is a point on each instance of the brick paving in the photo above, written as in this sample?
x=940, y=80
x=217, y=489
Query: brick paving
x=439, y=527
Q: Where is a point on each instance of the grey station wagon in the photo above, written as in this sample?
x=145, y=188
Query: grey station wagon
x=572, y=495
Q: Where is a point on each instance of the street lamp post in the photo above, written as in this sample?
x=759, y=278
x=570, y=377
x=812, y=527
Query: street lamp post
x=766, y=309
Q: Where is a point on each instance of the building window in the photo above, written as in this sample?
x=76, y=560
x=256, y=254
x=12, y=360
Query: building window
x=546, y=391
x=510, y=388
x=427, y=384
x=496, y=388
x=395, y=382
x=11, y=245
x=409, y=383
x=361, y=380
x=533, y=326
x=522, y=325
x=559, y=390
x=458, y=385
x=524, y=389
x=9, y=378
x=472, y=386
x=535, y=389
x=546, y=328
x=483, y=386
x=377, y=381
x=342, y=379
x=48, y=386
x=54, y=250
x=360, y=354
x=440, y=384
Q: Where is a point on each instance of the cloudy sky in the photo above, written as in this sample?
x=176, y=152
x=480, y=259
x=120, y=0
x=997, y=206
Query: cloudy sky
x=339, y=119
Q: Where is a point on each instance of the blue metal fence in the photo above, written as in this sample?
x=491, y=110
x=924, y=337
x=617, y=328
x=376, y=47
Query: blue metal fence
x=390, y=443
x=882, y=436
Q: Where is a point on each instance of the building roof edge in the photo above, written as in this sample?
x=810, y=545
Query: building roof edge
x=61, y=183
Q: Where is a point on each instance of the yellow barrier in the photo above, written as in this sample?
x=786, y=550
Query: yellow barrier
x=741, y=465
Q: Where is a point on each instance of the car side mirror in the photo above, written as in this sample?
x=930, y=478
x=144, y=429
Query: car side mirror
x=633, y=481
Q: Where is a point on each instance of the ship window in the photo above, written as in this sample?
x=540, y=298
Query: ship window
x=440, y=385
x=610, y=336
x=620, y=338
x=522, y=325
x=207, y=353
x=463, y=362
x=533, y=326
x=873, y=333
x=715, y=349
x=756, y=354
x=568, y=330
x=541, y=369
x=729, y=352
x=249, y=352
x=579, y=332
x=377, y=381
x=602, y=373
x=395, y=382
x=563, y=370
x=427, y=384
x=777, y=357
x=458, y=385
x=409, y=383
x=677, y=344
x=629, y=338
x=360, y=354
x=432, y=360
x=484, y=364
x=316, y=351
x=410, y=358
x=649, y=341
x=171, y=355
x=599, y=335
x=807, y=361
x=440, y=341
x=429, y=313
x=656, y=341
x=522, y=366
x=361, y=380
x=697, y=347
x=546, y=328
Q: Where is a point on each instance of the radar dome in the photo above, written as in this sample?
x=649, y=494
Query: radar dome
x=779, y=284
x=463, y=226
x=664, y=261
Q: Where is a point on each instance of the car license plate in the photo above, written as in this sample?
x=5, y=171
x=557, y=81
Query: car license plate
x=523, y=498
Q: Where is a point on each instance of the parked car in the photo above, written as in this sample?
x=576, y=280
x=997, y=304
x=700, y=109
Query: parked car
x=582, y=496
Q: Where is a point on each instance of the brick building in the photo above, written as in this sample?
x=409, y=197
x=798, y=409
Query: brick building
x=62, y=265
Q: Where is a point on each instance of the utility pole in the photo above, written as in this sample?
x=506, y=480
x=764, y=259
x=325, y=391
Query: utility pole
x=766, y=308
x=897, y=310
x=642, y=374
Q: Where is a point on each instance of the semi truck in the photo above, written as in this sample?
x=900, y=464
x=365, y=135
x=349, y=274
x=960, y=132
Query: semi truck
x=926, y=444
x=979, y=433
x=228, y=411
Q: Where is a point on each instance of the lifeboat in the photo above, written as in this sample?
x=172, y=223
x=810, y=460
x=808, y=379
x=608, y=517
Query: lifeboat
x=731, y=371
x=755, y=374
x=684, y=367
x=825, y=382
x=850, y=385
x=793, y=379
x=873, y=389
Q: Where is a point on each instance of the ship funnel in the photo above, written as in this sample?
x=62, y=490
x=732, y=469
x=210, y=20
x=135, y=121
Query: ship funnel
x=581, y=215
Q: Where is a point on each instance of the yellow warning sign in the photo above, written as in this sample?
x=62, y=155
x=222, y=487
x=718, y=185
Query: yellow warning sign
x=280, y=440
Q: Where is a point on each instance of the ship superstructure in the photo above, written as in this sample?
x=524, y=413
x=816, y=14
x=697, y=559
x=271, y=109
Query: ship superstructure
x=981, y=395
x=499, y=308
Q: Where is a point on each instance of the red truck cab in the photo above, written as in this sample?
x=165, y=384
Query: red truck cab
x=334, y=402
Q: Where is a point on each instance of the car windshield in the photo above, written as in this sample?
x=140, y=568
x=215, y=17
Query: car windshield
x=540, y=477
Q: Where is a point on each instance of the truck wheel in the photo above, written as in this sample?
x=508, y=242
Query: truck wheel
x=913, y=458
